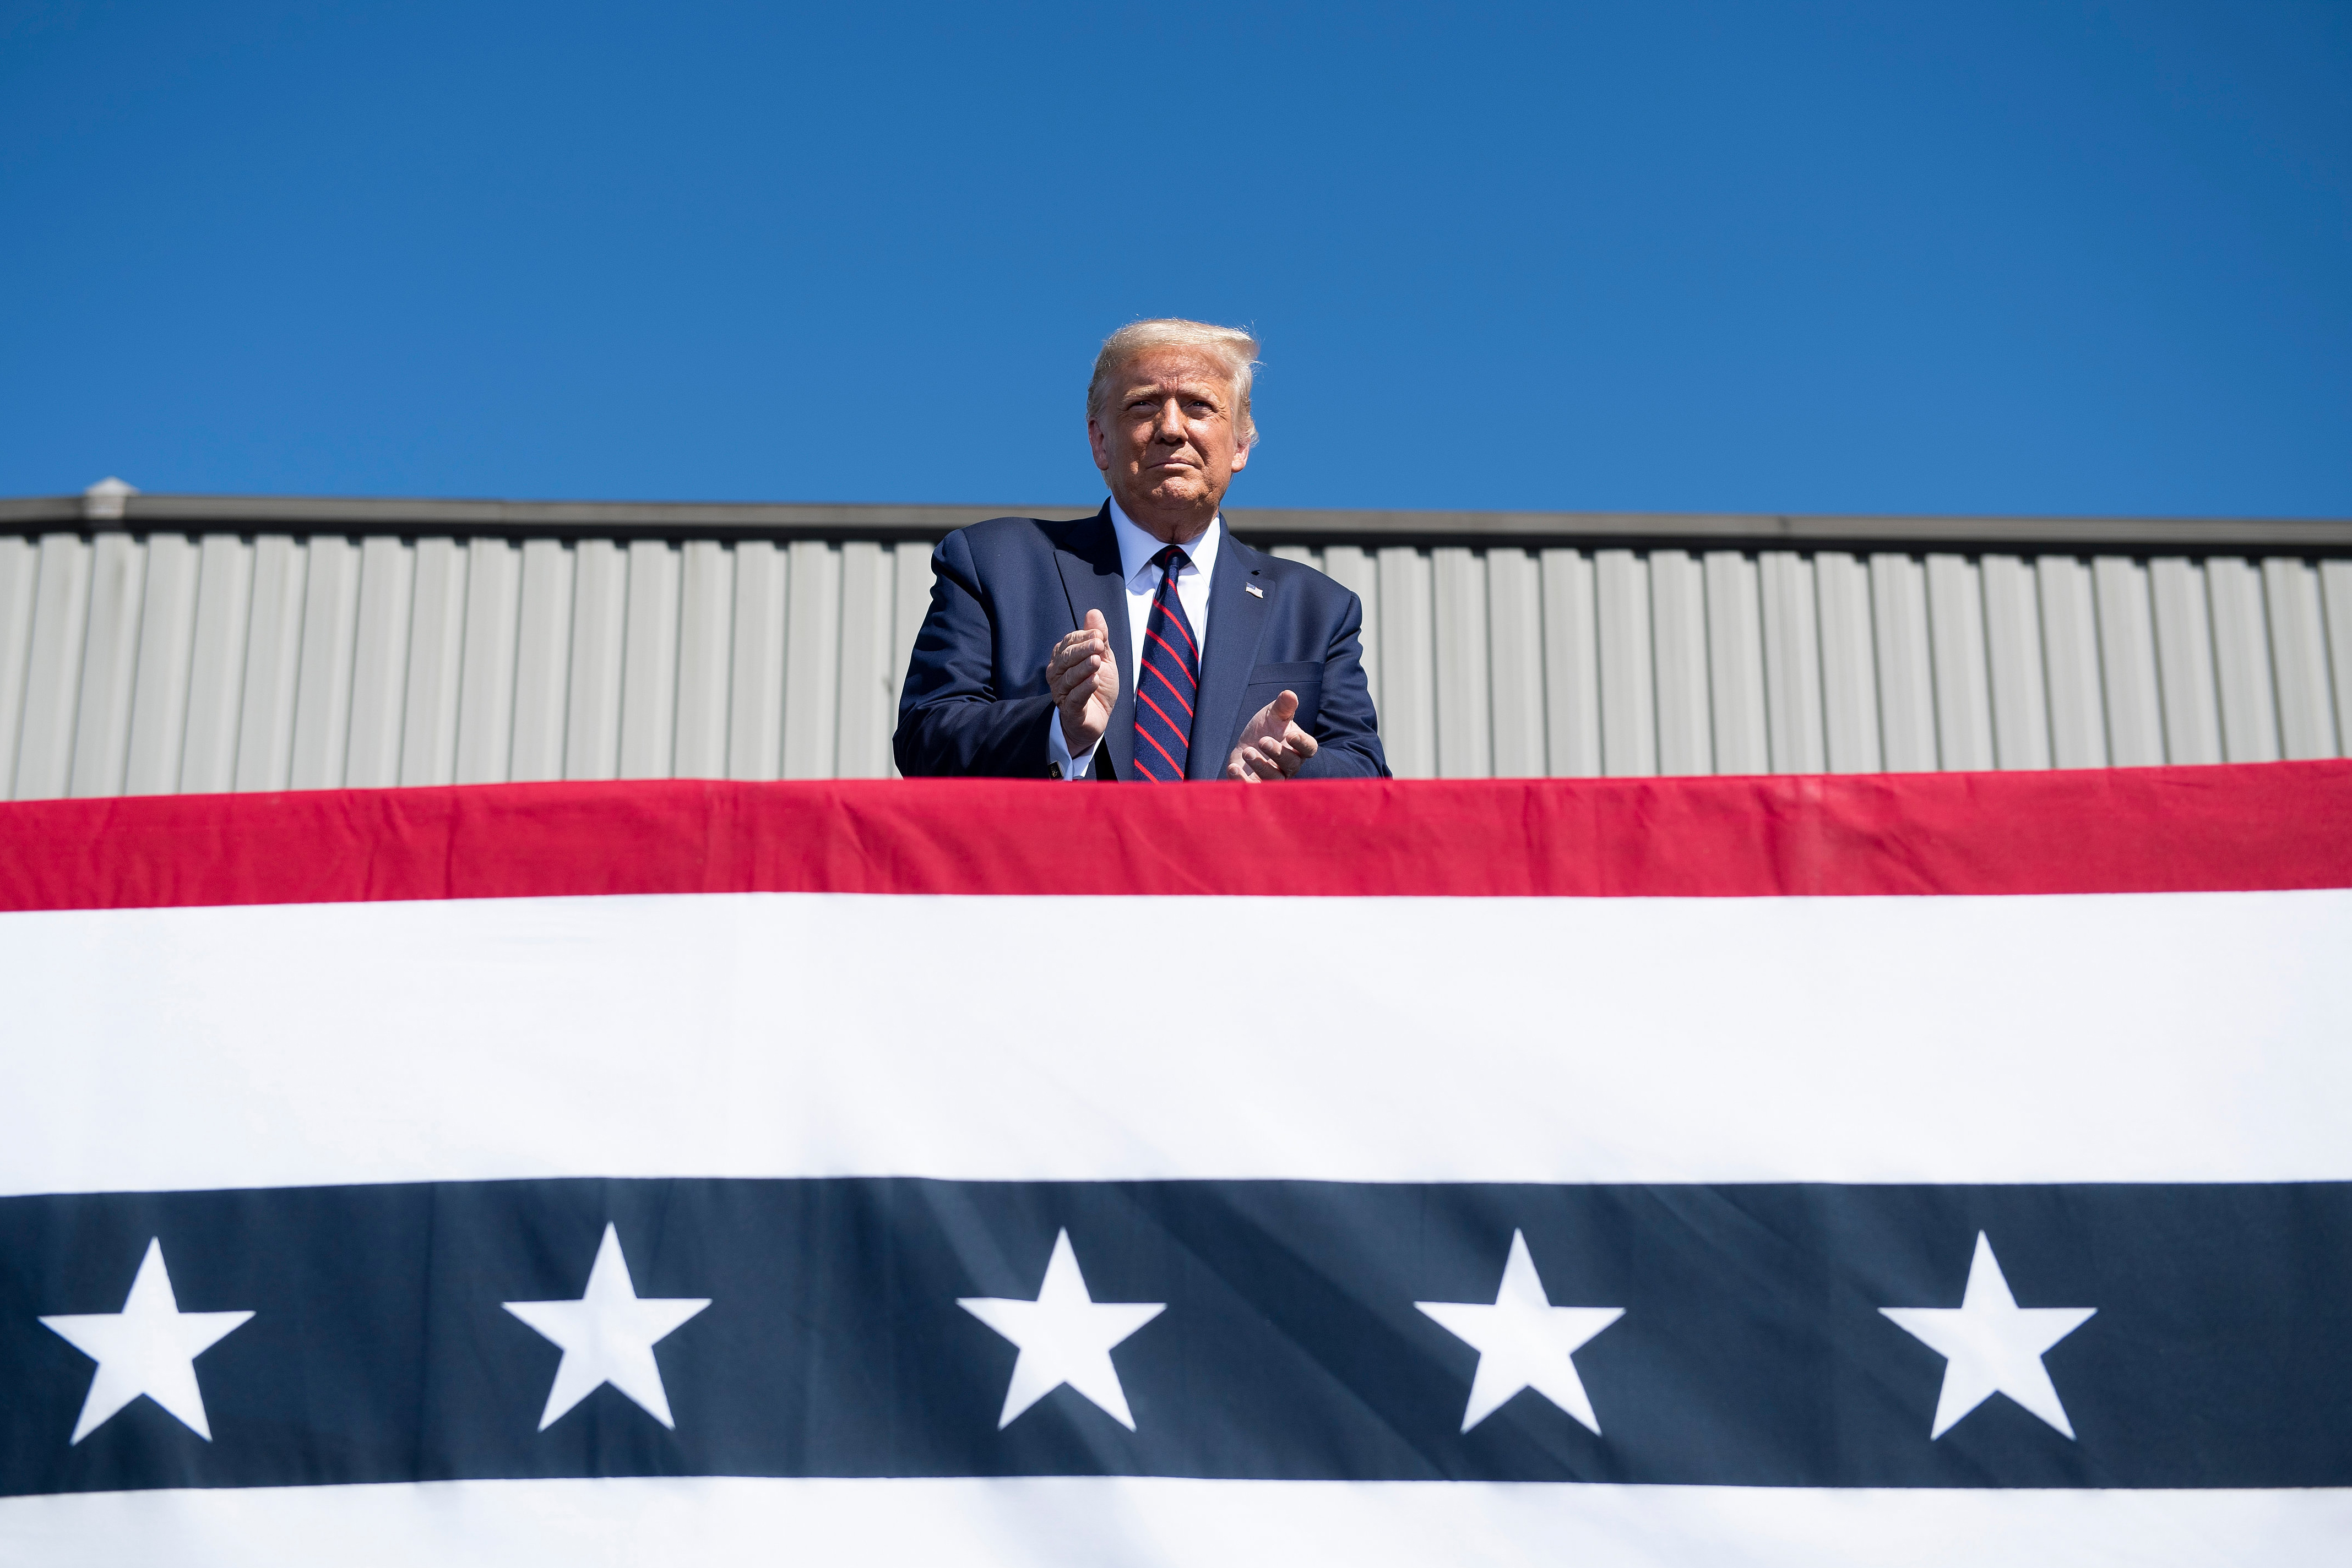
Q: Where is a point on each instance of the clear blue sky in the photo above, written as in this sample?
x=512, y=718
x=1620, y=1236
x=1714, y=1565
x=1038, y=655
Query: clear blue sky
x=1975, y=256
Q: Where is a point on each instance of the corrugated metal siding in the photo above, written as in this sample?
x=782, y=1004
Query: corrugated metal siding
x=170, y=664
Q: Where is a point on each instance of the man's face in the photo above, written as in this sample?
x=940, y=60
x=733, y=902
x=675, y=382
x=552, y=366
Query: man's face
x=1168, y=436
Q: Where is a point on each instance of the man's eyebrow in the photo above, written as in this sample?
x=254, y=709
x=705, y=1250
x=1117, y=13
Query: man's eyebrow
x=1202, y=391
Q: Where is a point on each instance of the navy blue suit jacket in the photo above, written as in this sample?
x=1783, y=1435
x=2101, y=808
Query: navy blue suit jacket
x=1005, y=590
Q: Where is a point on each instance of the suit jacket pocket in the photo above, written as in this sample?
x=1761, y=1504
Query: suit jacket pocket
x=1267, y=682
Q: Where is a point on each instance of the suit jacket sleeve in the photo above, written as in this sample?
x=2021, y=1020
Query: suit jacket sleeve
x=1346, y=731
x=951, y=721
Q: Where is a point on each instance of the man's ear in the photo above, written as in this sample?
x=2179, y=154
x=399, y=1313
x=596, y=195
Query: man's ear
x=1241, y=457
x=1099, y=443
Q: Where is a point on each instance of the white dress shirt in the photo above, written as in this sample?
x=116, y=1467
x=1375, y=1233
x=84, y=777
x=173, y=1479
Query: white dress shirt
x=1136, y=549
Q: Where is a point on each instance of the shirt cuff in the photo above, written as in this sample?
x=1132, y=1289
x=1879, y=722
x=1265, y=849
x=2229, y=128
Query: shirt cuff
x=1057, y=750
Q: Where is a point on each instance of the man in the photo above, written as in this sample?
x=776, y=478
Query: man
x=1144, y=643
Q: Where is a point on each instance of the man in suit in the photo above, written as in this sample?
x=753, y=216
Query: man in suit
x=1145, y=641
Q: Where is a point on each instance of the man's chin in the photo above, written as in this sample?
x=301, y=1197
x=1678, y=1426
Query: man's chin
x=1181, y=489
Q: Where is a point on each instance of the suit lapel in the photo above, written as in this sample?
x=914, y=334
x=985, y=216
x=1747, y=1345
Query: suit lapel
x=1091, y=575
x=1236, y=621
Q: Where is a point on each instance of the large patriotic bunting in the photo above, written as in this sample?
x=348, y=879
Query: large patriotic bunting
x=1936, y=1169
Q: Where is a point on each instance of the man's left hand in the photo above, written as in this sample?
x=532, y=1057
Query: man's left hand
x=1273, y=748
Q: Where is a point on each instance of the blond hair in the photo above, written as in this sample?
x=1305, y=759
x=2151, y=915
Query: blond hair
x=1230, y=347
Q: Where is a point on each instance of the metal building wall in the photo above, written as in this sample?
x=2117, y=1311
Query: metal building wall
x=170, y=663
x=1503, y=663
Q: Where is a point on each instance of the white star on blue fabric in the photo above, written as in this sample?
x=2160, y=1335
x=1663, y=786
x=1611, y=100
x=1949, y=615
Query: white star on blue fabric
x=1523, y=1342
x=608, y=1336
x=1064, y=1335
x=148, y=1347
x=1991, y=1345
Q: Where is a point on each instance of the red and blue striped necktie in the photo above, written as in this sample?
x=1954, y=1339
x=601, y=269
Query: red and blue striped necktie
x=1169, y=682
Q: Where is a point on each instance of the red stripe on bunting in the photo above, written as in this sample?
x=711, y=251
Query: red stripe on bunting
x=2275, y=825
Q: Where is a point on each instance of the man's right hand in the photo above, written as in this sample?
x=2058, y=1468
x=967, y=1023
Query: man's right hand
x=1084, y=679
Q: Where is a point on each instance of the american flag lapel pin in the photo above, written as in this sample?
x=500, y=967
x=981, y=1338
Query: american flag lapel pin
x=1254, y=588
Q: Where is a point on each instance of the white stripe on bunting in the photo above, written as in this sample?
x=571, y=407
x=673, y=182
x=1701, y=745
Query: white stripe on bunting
x=2180, y=1036
x=1097, y=1521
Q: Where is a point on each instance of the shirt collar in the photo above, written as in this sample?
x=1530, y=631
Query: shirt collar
x=1137, y=548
